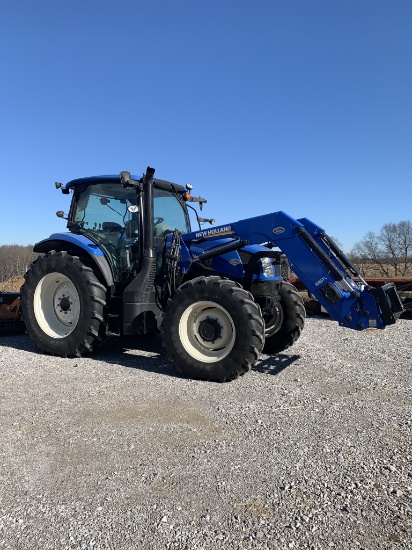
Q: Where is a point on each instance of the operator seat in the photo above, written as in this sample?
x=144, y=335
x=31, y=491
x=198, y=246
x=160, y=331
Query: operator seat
x=162, y=229
x=112, y=227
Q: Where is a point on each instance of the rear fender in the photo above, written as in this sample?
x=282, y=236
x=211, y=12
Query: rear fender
x=80, y=243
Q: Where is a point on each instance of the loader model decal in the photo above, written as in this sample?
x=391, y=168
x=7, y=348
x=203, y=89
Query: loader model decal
x=225, y=230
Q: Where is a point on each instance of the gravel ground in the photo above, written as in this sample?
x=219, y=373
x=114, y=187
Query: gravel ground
x=312, y=449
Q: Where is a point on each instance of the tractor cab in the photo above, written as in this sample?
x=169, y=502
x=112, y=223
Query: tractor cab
x=111, y=215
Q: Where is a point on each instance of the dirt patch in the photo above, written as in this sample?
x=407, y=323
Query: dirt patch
x=12, y=285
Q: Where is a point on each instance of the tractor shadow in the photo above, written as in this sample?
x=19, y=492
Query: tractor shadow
x=143, y=353
x=275, y=364
x=19, y=341
x=147, y=353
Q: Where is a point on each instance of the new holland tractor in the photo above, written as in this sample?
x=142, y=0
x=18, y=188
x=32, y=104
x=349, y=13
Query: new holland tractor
x=131, y=264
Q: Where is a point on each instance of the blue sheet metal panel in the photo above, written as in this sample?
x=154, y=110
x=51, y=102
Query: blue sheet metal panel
x=78, y=240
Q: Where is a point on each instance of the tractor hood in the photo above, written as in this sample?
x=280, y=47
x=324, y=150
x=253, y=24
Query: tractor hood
x=227, y=264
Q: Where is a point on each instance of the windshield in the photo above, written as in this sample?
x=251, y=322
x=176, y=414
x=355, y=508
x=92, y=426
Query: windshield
x=169, y=213
x=107, y=207
x=109, y=215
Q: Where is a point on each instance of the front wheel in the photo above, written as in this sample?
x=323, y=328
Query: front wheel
x=213, y=329
x=285, y=324
x=64, y=305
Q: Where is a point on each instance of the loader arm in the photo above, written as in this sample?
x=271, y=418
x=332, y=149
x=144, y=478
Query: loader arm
x=324, y=269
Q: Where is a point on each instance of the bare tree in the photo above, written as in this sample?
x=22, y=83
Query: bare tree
x=15, y=260
x=387, y=254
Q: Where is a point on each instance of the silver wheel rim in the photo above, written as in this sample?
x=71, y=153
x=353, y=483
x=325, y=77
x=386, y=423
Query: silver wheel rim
x=56, y=305
x=192, y=337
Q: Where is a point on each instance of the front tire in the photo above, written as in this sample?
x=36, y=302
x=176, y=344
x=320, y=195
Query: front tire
x=286, y=322
x=64, y=305
x=213, y=329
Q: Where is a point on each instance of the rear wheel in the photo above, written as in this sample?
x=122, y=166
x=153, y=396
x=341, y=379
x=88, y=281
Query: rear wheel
x=286, y=322
x=213, y=329
x=64, y=305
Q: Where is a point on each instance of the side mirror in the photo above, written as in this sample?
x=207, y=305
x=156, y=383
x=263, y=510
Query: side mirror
x=61, y=214
x=60, y=186
x=204, y=220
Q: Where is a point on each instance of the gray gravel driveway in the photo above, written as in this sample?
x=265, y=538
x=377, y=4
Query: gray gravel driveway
x=312, y=449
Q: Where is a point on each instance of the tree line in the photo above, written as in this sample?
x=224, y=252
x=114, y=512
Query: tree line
x=385, y=254
x=15, y=260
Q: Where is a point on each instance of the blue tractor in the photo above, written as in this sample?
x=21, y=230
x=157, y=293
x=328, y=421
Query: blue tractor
x=131, y=264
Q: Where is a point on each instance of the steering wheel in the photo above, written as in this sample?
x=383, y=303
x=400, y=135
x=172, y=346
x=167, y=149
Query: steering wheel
x=158, y=219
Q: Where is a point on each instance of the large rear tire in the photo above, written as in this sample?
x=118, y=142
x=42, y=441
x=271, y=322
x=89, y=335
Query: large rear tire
x=64, y=305
x=286, y=322
x=213, y=329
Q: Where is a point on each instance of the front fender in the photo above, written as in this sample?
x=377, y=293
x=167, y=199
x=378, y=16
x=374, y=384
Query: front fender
x=66, y=241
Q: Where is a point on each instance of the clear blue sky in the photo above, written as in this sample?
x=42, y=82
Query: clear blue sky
x=296, y=105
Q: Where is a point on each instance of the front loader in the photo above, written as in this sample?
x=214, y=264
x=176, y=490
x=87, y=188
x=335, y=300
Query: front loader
x=131, y=264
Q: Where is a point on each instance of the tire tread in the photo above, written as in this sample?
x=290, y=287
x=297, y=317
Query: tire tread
x=225, y=371
x=288, y=335
x=97, y=323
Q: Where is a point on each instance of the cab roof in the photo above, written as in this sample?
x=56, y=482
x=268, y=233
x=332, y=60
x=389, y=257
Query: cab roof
x=92, y=180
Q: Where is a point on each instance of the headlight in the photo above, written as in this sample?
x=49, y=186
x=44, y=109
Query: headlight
x=267, y=267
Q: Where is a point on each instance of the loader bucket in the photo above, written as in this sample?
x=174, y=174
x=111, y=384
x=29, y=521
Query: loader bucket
x=389, y=302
